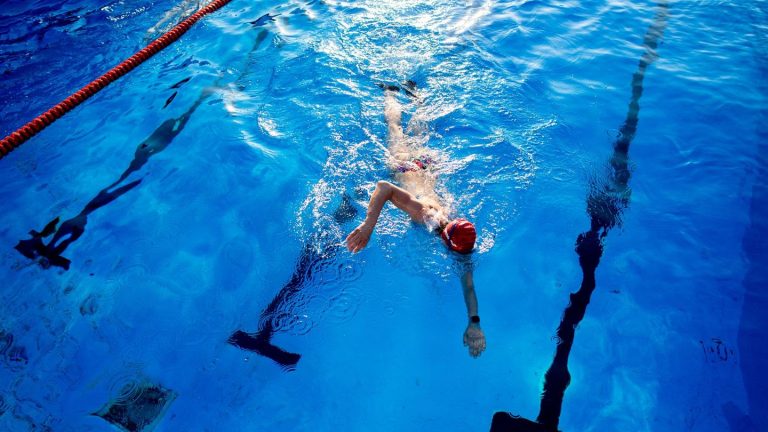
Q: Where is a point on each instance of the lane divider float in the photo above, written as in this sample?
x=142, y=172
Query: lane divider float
x=33, y=127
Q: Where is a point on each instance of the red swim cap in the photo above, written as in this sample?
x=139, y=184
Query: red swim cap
x=459, y=235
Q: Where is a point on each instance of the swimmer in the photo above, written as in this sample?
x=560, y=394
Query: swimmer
x=416, y=196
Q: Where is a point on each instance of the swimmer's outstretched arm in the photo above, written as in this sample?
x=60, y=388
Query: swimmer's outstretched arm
x=385, y=191
x=474, y=338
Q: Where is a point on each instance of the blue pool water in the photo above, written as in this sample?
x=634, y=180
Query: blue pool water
x=281, y=119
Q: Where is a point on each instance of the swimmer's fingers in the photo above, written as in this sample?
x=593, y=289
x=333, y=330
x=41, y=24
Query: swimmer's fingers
x=476, y=347
x=361, y=243
x=358, y=238
x=482, y=345
x=356, y=241
x=473, y=348
x=479, y=347
x=352, y=240
x=474, y=340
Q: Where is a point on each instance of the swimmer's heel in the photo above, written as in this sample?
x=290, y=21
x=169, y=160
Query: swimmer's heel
x=261, y=345
x=409, y=87
x=506, y=422
x=388, y=87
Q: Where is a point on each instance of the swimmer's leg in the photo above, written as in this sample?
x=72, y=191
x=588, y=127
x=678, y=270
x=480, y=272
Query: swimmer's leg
x=409, y=87
x=393, y=112
x=417, y=127
x=399, y=152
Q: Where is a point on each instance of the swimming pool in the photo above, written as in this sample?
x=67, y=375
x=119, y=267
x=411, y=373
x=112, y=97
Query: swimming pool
x=265, y=119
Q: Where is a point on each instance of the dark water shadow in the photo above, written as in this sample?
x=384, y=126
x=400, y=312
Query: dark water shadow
x=50, y=253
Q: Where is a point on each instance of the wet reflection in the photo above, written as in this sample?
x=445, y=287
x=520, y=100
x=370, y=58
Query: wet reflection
x=605, y=203
x=318, y=253
x=50, y=253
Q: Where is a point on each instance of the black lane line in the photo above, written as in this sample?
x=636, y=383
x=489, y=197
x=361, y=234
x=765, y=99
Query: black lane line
x=316, y=254
x=605, y=205
x=50, y=254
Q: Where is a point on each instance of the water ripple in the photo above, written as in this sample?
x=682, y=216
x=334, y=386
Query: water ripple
x=515, y=97
x=126, y=385
x=344, y=306
x=296, y=324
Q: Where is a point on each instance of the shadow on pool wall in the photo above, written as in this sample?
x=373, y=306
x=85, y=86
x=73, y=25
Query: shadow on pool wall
x=606, y=202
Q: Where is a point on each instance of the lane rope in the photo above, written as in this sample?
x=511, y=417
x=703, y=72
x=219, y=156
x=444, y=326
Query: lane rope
x=33, y=127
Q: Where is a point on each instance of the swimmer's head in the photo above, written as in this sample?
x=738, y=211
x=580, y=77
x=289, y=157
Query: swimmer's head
x=459, y=235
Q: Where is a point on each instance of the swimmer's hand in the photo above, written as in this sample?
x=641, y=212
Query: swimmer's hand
x=474, y=339
x=358, y=238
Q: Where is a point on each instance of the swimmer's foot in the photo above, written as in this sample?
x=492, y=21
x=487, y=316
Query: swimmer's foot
x=409, y=87
x=261, y=345
x=388, y=87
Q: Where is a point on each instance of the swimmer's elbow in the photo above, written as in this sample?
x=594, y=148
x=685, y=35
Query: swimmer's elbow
x=385, y=188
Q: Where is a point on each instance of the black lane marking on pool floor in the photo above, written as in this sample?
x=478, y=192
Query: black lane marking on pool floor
x=317, y=253
x=605, y=204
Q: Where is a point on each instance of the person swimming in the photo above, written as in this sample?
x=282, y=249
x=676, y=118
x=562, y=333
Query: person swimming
x=413, y=169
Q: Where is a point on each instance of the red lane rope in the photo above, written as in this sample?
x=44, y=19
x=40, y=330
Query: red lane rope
x=24, y=133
